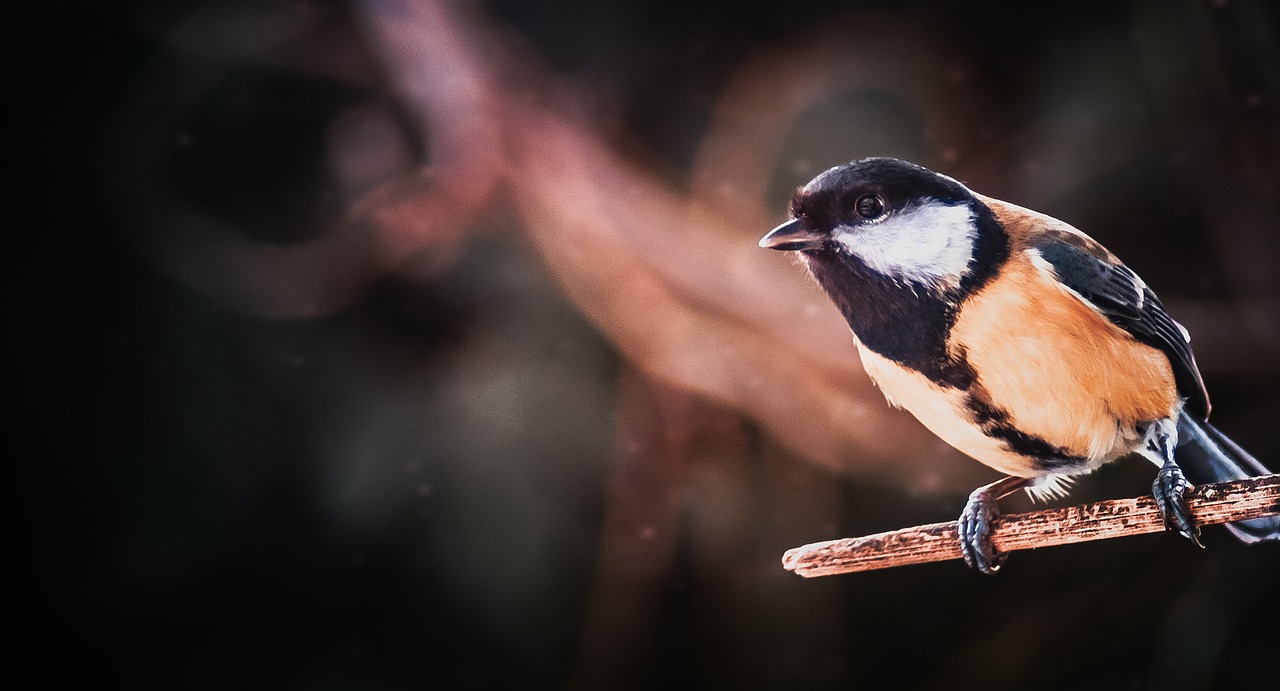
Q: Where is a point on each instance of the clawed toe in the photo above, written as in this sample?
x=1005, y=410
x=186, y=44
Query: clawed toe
x=976, y=523
x=1171, y=491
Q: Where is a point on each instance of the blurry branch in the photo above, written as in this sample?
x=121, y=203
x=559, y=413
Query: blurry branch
x=678, y=286
x=585, y=230
x=670, y=274
x=1223, y=502
x=394, y=211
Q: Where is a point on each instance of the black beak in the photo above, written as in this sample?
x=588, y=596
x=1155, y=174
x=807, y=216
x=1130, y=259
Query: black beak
x=792, y=235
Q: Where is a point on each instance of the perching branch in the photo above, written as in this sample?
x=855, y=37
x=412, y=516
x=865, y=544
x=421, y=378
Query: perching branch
x=1222, y=502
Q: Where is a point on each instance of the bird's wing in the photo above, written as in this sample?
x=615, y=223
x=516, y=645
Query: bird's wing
x=1121, y=296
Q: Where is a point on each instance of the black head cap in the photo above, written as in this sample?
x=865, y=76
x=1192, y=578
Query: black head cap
x=833, y=198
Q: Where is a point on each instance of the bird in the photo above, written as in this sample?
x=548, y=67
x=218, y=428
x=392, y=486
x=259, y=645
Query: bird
x=1014, y=337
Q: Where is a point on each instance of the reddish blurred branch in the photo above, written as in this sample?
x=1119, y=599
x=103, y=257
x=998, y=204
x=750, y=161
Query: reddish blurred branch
x=1223, y=502
x=670, y=274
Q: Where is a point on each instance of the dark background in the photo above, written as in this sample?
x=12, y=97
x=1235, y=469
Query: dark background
x=409, y=488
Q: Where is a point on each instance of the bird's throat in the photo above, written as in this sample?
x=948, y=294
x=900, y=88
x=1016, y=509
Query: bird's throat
x=905, y=326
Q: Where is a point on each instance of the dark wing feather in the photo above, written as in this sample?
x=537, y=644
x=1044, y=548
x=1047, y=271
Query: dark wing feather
x=1123, y=298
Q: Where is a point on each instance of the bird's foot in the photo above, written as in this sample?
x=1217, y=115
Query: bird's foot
x=976, y=522
x=1171, y=491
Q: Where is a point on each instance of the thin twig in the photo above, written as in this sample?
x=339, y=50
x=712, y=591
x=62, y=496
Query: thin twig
x=1222, y=502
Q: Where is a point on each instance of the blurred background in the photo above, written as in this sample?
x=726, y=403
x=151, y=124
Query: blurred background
x=382, y=345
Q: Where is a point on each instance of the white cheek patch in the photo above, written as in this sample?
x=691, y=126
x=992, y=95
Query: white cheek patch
x=930, y=245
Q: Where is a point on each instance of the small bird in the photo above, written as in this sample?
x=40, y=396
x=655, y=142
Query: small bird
x=1014, y=337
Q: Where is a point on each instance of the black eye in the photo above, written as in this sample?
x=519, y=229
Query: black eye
x=869, y=206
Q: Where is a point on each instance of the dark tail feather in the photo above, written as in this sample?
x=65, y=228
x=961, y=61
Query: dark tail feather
x=1207, y=455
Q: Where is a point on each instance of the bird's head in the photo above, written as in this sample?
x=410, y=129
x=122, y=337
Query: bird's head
x=890, y=219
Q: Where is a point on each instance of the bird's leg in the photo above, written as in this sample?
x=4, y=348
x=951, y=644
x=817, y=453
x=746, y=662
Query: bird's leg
x=977, y=520
x=1170, y=487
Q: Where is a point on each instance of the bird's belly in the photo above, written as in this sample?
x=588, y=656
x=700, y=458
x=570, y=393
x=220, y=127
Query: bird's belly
x=945, y=412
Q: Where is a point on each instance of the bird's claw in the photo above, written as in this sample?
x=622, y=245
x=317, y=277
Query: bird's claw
x=1171, y=490
x=976, y=522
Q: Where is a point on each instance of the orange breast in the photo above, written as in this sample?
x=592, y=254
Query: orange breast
x=1062, y=371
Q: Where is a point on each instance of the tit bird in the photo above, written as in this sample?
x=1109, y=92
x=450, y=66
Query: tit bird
x=1014, y=337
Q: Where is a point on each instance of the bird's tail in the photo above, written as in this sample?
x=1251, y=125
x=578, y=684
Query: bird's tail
x=1207, y=455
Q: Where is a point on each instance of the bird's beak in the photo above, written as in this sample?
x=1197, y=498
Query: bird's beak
x=792, y=235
